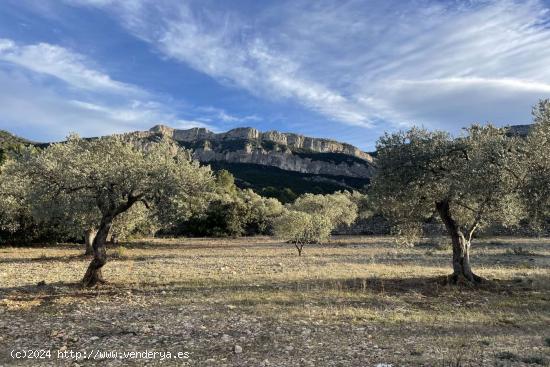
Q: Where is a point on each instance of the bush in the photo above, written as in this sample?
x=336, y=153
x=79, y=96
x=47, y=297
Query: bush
x=233, y=212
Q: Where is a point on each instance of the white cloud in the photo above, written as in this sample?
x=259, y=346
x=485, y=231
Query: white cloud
x=454, y=103
x=63, y=64
x=252, y=66
x=248, y=63
x=51, y=116
x=210, y=113
x=95, y=104
x=439, y=64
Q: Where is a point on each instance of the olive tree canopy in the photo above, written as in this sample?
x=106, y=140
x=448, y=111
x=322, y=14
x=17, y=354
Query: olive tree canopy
x=112, y=175
x=536, y=164
x=312, y=218
x=300, y=228
x=468, y=182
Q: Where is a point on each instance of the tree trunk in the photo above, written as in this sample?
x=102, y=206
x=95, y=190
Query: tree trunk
x=89, y=236
x=299, y=248
x=93, y=274
x=461, y=247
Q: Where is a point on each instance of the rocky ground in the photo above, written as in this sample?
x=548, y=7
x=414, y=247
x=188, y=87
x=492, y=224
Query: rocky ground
x=359, y=301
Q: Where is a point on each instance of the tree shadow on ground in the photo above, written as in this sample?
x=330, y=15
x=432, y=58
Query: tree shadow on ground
x=195, y=244
x=39, y=259
x=425, y=285
x=438, y=259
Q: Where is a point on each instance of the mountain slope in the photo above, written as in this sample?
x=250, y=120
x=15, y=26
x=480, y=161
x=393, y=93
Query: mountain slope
x=10, y=143
x=272, y=163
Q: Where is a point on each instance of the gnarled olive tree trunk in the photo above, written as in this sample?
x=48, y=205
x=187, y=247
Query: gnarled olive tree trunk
x=93, y=274
x=89, y=236
x=461, y=246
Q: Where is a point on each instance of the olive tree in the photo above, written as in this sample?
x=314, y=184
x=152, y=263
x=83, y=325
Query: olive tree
x=14, y=212
x=467, y=181
x=536, y=164
x=300, y=228
x=312, y=218
x=75, y=215
x=116, y=175
x=30, y=212
x=17, y=223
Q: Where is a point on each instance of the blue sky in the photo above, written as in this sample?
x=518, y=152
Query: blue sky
x=347, y=70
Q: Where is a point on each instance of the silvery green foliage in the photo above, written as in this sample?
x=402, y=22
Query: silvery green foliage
x=312, y=218
x=13, y=193
x=300, y=228
x=79, y=181
x=67, y=215
x=138, y=221
x=536, y=164
x=338, y=208
x=474, y=173
x=260, y=211
x=233, y=212
x=244, y=211
x=363, y=202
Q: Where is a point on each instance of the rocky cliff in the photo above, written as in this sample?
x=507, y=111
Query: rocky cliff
x=286, y=151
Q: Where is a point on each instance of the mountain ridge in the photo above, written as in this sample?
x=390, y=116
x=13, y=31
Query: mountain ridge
x=292, y=140
x=286, y=151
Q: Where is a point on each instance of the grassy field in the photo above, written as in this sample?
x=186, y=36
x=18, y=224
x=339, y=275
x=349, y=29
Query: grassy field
x=358, y=301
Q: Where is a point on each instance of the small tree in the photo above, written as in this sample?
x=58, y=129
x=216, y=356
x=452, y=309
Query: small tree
x=115, y=174
x=468, y=182
x=312, y=218
x=300, y=228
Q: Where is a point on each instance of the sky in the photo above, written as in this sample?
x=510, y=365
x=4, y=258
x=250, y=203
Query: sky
x=345, y=70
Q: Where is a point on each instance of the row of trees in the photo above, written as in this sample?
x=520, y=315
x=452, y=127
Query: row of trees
x=113, y=186
x=116, y=185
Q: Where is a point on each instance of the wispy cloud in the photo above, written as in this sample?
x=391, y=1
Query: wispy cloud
x=252, y=65
x=62, y=64
x=230, y=55
x=210, y=113
x=94, y=103
x=437, y=63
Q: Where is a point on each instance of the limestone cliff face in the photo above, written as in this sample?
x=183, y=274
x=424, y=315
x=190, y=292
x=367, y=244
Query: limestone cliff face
x=292, y=141
x=286, y=151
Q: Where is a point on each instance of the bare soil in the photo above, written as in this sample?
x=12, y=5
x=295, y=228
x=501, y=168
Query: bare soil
x=358, y=301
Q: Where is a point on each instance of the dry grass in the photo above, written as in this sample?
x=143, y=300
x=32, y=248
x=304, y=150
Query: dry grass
x=359, y=301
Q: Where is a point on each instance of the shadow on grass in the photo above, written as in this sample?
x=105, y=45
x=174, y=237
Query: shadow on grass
x=52, y=291
x=439, y=259
x=29, y=260
x=200, y=243
x=425, y=286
